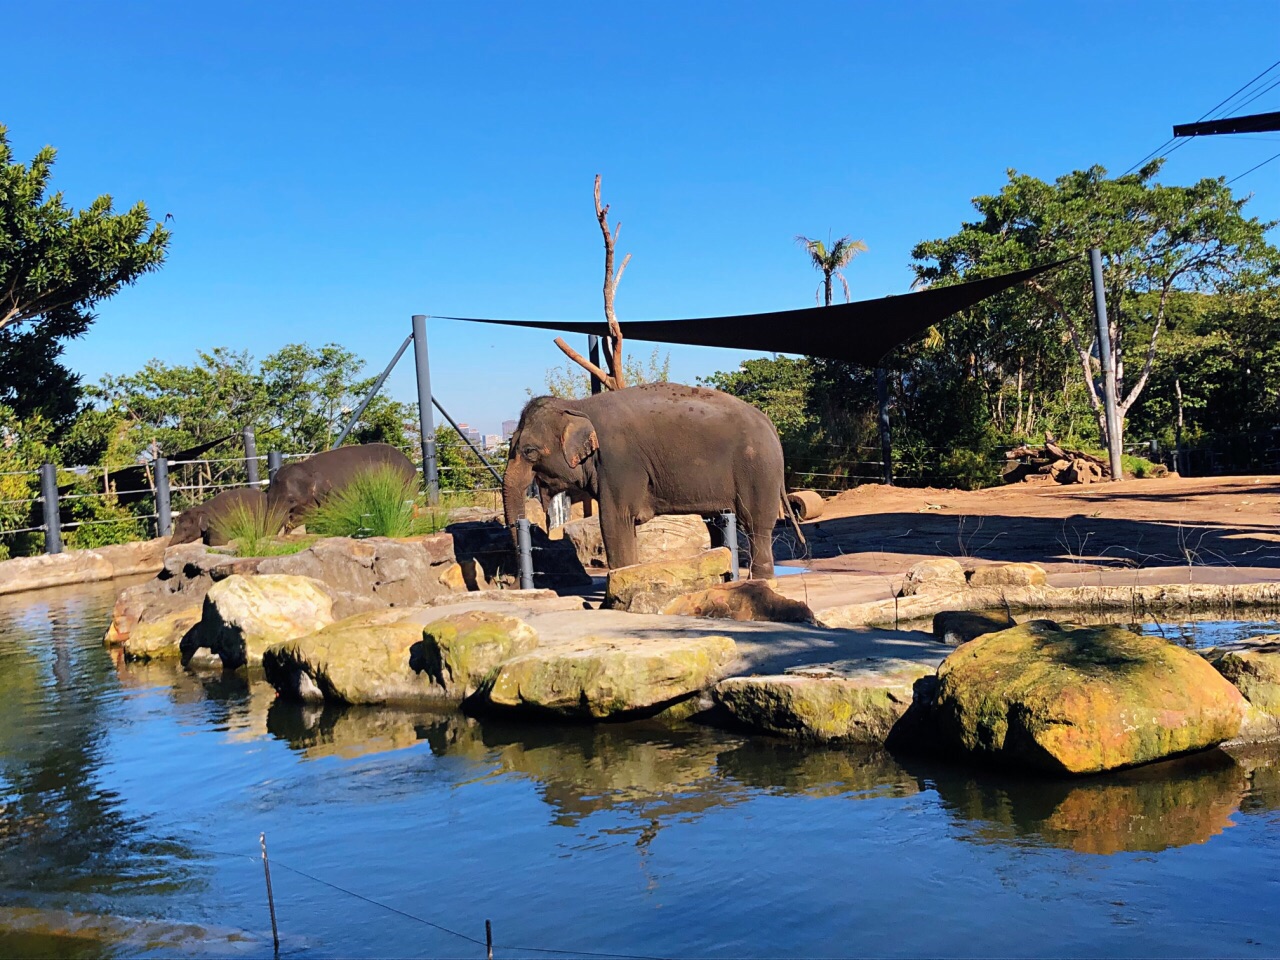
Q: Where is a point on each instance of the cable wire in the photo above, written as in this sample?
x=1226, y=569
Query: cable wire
x=1253, y=168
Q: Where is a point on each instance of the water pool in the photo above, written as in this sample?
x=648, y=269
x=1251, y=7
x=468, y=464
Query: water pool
x=140, y=792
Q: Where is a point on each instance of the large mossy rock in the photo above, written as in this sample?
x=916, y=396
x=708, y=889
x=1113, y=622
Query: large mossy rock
x=849, y=701
x=668, y=537
x=1008, y=575
x=597, y=679
x=243, y=616
x=1253, y=667
x=954, y=627
x=1081, y=699
x=649, y=587
x=159, y=637
x=741, y=600
x=460, y=652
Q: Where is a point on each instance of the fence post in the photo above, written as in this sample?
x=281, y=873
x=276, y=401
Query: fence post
x=729, y=519
x=274, y=460
x=52, y=518
x=430, y=475
x=164, y=516
x=524, y=547
x=251, y=456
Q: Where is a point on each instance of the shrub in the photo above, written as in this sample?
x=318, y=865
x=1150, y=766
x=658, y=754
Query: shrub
x=376, y=503
x=253, y=531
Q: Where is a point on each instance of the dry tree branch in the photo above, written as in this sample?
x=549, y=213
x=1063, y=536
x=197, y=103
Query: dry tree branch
x=586, y=364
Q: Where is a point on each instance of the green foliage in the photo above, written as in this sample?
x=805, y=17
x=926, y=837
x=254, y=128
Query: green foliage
x=101, y=520
x=376, y=503
x=573, y=383
x=830, y=262
x=253, y=530
x=56, y=265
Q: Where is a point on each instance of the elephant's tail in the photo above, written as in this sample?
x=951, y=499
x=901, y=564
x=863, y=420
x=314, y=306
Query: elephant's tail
x=790, y=513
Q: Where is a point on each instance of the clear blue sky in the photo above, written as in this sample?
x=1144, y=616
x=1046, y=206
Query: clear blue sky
x=334, y=168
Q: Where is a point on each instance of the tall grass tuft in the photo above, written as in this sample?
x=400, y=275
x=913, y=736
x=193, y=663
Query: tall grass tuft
x=378, y=502
x=253, y=531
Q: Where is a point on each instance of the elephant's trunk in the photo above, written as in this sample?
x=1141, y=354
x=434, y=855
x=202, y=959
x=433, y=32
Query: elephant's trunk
x=514, y=484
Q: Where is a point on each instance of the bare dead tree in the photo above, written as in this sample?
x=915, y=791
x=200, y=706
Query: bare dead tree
x=615, y=379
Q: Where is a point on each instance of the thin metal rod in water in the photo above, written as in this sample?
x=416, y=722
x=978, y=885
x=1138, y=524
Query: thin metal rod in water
x=52, y=517
x=430, y=473
x=251, y=456
x=1108, y=368
x=275, y=459
x=373, y=391
x=730, y=520
x=474, y=449
x=488, y=939
x=271, y=900
x=524, y=547
x=164, y=514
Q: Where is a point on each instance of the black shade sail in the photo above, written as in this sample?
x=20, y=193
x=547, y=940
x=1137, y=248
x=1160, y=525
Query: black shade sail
x=860, y=332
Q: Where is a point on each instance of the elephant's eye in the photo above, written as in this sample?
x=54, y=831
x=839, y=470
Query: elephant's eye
x=531, y=453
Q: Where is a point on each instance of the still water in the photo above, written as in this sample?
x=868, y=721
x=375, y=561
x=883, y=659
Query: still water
x=132, y=799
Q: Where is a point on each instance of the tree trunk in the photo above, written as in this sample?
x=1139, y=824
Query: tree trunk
x=1177, y=429
x=826, y=286
x=886, y=445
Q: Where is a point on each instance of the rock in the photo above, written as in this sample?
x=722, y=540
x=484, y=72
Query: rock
x=81, y=566
x=596, y=679
x=243, y=616
x=1081, y=699
x=541, y=598
x=648, y=587
x=461, y=651
x=938, y=574
x=1253, y=667
x=1008, y=575
x=464, y=514
x=741, y=600
x=364, y=658
x=454, y=578
x=1080, y=471
x=855, y=701
x=673, y=537
x=954, y=627
x=159, y=638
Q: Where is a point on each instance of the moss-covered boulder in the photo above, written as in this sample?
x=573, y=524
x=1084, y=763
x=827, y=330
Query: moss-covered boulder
x=851, y=701
x=364, y=658
x=596, y=679
x=741, y=600
x=648, y=587
x=242, y=616
x=1081, y=699
x=1253, y=667
x=954, y=627
x=461, y=651
x=161, y=638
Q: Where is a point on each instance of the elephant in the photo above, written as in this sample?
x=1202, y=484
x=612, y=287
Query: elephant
x=201, y=522
x=302, y=486
x=648, y=450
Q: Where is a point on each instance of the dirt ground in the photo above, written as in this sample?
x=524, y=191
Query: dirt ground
x=1221, y=529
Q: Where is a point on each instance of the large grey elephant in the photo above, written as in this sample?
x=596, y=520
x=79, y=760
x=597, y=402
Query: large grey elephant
x=649, y=450
x=302, y=486
x=204, y=521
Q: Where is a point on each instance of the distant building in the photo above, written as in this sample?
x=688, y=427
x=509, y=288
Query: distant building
x=492, y=441
x=508, y=428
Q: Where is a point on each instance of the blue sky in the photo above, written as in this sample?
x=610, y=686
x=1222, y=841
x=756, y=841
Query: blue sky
x=334, y=168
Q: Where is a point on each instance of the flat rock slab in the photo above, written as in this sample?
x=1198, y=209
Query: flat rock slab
x=851, y=701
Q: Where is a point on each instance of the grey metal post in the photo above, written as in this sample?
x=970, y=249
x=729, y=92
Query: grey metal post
x=730, y=521
x=1108, y=368
x=373, y=391
x=251, y=456
x=52, y=517
x=524, y=547
x=593, y=354
x=164, y=515
x=430, y=474
x=274, y=462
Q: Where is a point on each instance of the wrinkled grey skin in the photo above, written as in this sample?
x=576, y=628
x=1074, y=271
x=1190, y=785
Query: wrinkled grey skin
x=200, y=522
x=654, y=449
x=303, y=485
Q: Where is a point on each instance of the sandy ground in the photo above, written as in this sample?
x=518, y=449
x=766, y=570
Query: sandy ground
x=1222, y=529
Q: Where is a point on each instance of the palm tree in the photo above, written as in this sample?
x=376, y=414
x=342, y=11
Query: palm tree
x=832, y=261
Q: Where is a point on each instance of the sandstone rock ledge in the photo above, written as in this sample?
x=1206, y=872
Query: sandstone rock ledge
x=81, y=566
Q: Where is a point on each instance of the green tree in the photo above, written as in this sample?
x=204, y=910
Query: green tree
x=831, y=262
x=573, y=383
x=56, y=265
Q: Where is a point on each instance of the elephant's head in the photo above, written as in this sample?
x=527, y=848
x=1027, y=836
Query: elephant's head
x=554, y=444
x=190, y=526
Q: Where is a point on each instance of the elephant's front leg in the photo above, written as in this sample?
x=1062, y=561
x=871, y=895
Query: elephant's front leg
x=618, y=531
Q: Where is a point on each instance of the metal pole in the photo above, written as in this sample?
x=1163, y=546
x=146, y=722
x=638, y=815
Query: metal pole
x=164, y=516
x=886, y=440
x=524, y=547
x=488, y=939
x=271, y=900
x=1108, y=368
x=730, y=521
x=474, y=449
x=593, y=354
x=52, y=517
x=274, y=461
x=251, y=456
x=377, y=385
x=430, y=474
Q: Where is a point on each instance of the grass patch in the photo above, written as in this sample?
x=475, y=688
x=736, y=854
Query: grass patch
x=253, y=531
x=376, y=503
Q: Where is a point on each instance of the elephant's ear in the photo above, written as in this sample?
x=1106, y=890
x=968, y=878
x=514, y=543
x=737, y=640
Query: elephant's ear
x=579, y=439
